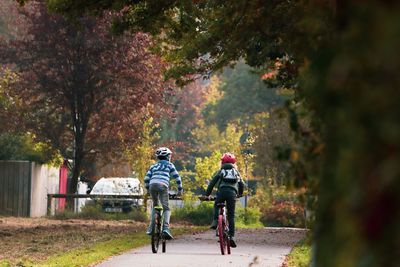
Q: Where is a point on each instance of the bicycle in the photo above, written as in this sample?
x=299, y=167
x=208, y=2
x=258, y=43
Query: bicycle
x=156, y=229
x=222, y=230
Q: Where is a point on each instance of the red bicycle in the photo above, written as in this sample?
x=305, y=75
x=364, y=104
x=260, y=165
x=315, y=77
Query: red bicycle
x=222, y=228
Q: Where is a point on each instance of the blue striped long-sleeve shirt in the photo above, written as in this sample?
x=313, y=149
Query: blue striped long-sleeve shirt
x=161, y=173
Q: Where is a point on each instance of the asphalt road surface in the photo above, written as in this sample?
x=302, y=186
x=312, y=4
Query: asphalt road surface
x=256, y=247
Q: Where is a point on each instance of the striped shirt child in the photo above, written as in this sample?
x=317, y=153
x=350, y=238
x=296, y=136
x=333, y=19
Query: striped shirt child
x=160, y=173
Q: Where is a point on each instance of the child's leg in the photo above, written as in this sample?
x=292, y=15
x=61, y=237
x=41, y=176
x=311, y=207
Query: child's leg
x=230, y=207
x=163, y=193
x=154, y=196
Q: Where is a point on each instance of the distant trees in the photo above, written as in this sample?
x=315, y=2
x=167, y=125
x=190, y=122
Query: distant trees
x=340, y=58
x=80, y=89
x=243, y=94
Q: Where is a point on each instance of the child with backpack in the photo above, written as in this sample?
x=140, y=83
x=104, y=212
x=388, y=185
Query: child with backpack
x=230, y=186
x=156, y=182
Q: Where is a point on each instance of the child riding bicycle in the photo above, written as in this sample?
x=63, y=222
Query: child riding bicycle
x=156, y=182
x=230, y=185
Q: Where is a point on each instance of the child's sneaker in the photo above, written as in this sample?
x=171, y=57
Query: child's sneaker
x=232, y=242
x=167, y=234
x=148, y=231
x=214, y=225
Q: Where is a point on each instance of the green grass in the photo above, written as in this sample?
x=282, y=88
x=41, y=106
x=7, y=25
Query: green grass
x=104, y=250
x=99, y=251
x=300, y=255
x=96, y=212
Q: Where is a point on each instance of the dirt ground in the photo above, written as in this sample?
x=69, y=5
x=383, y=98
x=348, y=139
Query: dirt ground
x=38, y=238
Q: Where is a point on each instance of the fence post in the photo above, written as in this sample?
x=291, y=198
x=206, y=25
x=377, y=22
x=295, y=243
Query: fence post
x=49, y=199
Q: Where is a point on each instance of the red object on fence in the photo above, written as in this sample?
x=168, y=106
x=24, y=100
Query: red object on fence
x=63, y=185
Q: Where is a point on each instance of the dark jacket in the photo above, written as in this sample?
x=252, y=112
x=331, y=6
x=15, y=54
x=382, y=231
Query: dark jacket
x=217, y=181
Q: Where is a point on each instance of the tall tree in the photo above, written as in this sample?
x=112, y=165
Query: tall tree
x=80, y=89
x=348, y=79
x=177, y=128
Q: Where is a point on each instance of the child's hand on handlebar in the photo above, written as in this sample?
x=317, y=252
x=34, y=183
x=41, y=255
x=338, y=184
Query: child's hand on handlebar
x=204, y=197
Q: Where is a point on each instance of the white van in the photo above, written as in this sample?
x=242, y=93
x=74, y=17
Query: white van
x=118, y=186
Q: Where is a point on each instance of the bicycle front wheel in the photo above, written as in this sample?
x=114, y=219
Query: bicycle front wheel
x=156, y=233
x=164, y=246
x=221, y=234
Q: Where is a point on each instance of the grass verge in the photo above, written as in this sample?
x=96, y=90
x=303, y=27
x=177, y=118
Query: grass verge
x=89, y=255
x=300, y=255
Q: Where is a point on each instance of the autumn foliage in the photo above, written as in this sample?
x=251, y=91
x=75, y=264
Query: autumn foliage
x=79, y=88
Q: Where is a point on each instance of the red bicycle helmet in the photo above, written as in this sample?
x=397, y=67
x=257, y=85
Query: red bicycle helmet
x=228, y=158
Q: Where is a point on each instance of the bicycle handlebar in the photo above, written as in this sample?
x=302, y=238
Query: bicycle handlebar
x=212, y=198
x=170, y=196
x=175, y=196
x=205, y=198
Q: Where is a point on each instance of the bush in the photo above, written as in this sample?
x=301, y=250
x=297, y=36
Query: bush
x=279, y=207
x=283, y=213
x=249, y=217
x=202, y=214
x=198, y=215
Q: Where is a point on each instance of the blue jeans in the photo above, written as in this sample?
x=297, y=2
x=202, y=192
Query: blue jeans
x=159, y=194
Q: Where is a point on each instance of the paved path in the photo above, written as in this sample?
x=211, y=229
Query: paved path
x=256, y=247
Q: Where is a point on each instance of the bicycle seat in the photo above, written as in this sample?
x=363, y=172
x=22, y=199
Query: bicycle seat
x=222, y=204
x=160, y=208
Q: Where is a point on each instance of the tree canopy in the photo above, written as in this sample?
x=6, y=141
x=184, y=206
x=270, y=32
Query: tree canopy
x=340, y=58
x=80, y=89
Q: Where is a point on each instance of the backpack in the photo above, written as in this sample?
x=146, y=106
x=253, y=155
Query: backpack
x=230, y=175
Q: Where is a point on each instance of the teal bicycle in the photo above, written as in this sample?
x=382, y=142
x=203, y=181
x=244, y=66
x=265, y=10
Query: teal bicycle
x=157, y=235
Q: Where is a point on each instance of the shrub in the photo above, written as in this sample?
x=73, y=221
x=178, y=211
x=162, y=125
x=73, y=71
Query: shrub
x=249, y=217
x=283, y=213
x=279, y=206
x=198, y=215
x=202, y=214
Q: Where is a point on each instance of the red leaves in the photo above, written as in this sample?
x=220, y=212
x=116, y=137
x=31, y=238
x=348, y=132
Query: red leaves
x=79, y=79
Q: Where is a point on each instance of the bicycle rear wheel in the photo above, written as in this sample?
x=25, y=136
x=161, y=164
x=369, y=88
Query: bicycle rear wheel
x=156, y=233
x=221, y=234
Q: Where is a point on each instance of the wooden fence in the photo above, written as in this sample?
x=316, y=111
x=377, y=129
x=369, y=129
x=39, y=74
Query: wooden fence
x=15, y=188
x=24, y=186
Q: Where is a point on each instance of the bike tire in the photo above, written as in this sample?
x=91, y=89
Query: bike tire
x=227, y=242
x=164, y=246
x=156, y=233
x=226, y=236
x=221, y=234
